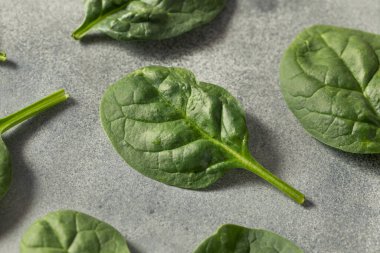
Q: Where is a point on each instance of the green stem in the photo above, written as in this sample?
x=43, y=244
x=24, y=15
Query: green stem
x=255, y=167
x=3, y=56
x=246, y=161
x=81, y=31
x=32, y=110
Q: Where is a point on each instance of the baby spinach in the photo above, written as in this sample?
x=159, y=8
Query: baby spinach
x=146, y=20
x=330, y=79
x=15, y=119
x=179, y=131
x=3, y=56
x=236, y=239
x=74, y=232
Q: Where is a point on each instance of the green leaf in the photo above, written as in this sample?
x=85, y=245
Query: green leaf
x=74, y=232
x=15, y=119
x=179, y=131
x=5, y=169
x=330, y=79
x=146, y=19
x=236, y=239
x=3, y=56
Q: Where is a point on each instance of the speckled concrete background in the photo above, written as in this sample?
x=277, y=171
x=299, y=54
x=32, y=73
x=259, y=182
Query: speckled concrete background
x=63, y=159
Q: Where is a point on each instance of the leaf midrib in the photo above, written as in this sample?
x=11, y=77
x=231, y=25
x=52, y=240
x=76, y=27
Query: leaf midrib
x=85, y=28
x=240, y=158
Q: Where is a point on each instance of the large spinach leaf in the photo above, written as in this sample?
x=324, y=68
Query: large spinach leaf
x=3, y=56
x=74, y=232
x=236, y=239
x=330, y=79
x=179, y=131
x=146, y=19
x=14, y=119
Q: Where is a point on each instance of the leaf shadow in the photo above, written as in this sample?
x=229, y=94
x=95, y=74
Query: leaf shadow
x=176, y=47
x=368, y=163
x=266, y=5
x=263, y=149
x=16, y=203
x=9, y=64
x=308, y=204
x=132, y=247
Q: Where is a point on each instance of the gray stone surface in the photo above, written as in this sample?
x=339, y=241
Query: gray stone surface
x=63, y=159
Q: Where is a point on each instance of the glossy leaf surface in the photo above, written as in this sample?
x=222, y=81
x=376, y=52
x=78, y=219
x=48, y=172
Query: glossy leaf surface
x=236, y=239
x=147, y=19
x=14, y=119
x=179, y=131
x=72, y=232
x=330, y=79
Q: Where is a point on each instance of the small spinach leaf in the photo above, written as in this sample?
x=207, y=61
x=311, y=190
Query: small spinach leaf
x=3, y=56
x=330, y=79
x=17, y=118
x=74, y=232
x=179, y=131
x=236, y=239
x=147, y=20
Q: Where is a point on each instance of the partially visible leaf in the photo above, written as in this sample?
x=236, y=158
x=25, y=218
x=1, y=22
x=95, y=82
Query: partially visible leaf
x=236, y=239
x=330, y=78
x=5, y=169
x=72, y=232
x=14, y=119
x=147, y=19
x=179, y=131
x=3, y=56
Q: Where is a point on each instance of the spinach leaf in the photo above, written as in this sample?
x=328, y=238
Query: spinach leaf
x=15, y=119
x=146, y=20
x=179, y=131
x=3, y=56
x=236, y=239
x=5, y=169
x=74, y=232
x=330, y=79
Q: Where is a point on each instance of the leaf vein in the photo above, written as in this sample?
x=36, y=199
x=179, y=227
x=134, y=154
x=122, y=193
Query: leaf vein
x=352, y=74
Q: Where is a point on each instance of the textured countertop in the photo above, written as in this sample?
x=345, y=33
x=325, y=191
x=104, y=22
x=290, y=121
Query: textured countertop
x=63, y=160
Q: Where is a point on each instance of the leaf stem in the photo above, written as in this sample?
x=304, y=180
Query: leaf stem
x=3, y=56
x=81, y=31
x=32, y=110
x=255, y=167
